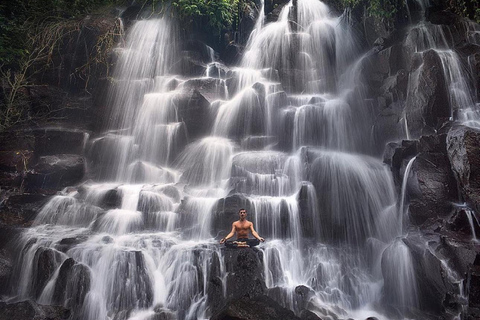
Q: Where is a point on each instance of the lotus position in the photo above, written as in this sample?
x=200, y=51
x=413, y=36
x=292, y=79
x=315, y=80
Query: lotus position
x=242, y=227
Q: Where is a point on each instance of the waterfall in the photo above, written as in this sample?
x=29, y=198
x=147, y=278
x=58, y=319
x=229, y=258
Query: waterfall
x=142, y=230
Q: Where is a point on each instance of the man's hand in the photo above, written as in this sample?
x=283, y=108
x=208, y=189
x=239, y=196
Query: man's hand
x=261, y=239
x=223, y=241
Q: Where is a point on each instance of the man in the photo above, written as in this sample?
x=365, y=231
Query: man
x=242, y=227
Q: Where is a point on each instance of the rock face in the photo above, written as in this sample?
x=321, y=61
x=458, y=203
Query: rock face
x=56, y=172
x=464, y=154
x=259, y=308
x=27, y=310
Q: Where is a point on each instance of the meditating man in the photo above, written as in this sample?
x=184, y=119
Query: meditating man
x=242, y=227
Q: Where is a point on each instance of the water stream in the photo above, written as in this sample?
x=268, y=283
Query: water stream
x=143, y=229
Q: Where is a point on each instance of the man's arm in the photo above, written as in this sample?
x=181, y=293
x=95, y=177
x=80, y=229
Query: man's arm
x=230, y=234
x=255, y=234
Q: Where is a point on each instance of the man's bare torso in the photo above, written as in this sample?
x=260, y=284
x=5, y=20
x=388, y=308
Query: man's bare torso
x=242, y=228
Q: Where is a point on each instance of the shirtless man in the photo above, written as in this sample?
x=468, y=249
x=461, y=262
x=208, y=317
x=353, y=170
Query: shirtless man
x=242, y=227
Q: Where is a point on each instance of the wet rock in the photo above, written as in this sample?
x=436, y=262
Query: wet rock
x=27, y=310
x=460, y=224
x=56, y=172
x=473, y=281
x=226, y=212
x=13, y=140
x=427, y=105
x=189, y=67
x=45, y=262
x=273, y=9
x=210, y=88
x=111, y=200
x=431, y=187
x=435, y=263
x=163, y=314
x=67, y=243
x=198, y=51
x=51, y=141
x=193, y=109
x=257, y=142
x=232, y=54
x=72, y=285
x=218, y=70
x=6, y=268
x=258, y=308
x=244, y=273
x=215, y=286
x=22, y=208
x=308, y=315
x=464, y=155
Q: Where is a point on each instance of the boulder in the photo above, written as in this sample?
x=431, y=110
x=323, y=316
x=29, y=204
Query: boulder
x=21, y=209
x=194, y=110
x=210, y=88
x=73, y=283
x=14, y=140
x=28, y=310
x=464, y=155
x=51, y=141
x=427, y=104
x=45, y=263
x=244, y=273
x=13, y=167
x=56, y=172
x=226, y=212
x=258, y=308
x=6, y=268
x=431, y=187
x=474, y=292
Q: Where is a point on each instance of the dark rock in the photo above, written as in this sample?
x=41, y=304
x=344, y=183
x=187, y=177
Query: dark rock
x=56, y=172
x=131, y=13
x=111, y=200
x=67, y=243
x=273, y=9
x=427, y=105
x=226, y=212
x=72, y=284
x=431, y=187
x=232, y=54
x=190, y=67
x=44, y=265
x=473, y=281
x=27, y=310
x=22, y=208
x=308, y=315
x=163, y=314
x=17, y=140
x=13, y=167
x=51, y=141
x=194, y=111
x=258, y=308
x=210, y=88
x=198, y=51
x=443, y=17
x=460, y=224
x=464, y=155
x=6, y=268
x=244, y=273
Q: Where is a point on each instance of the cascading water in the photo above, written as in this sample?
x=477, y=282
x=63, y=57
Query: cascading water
x=426, y=36
x=141, y=235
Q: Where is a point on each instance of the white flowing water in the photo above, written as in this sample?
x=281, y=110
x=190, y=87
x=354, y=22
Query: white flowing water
x=143, y=231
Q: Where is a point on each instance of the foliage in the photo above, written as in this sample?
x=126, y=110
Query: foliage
x=466, y=8
x=30, y=32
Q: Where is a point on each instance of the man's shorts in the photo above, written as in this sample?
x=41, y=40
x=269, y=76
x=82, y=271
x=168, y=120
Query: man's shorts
x=242, y=243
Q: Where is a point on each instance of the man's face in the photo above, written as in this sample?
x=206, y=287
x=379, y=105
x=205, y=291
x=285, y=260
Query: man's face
x=242, y=214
